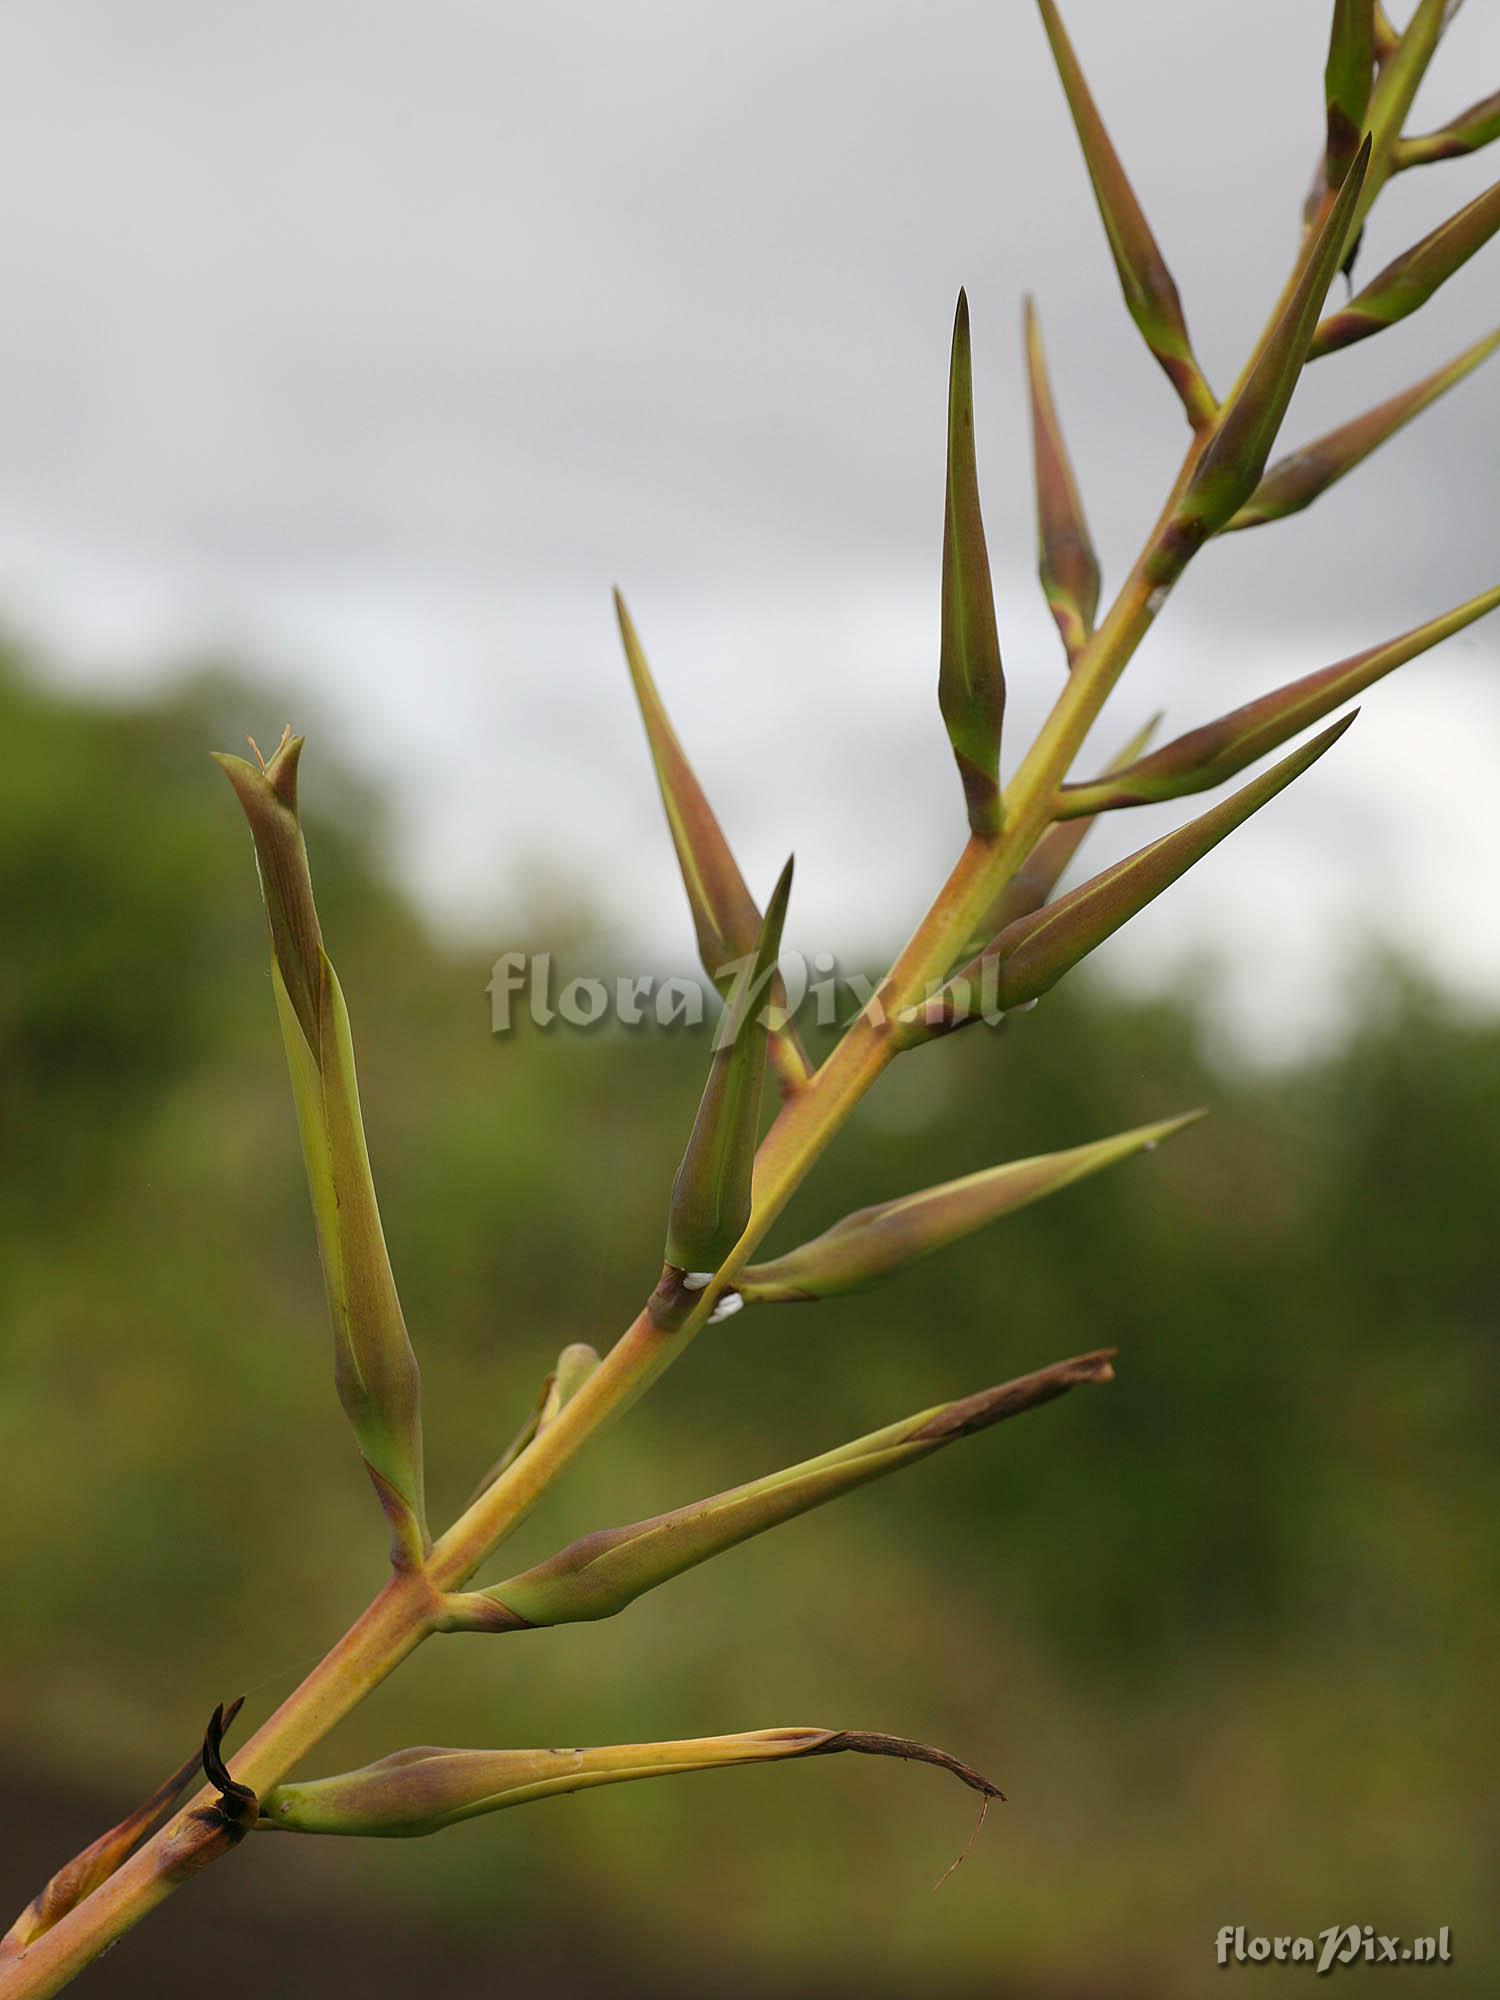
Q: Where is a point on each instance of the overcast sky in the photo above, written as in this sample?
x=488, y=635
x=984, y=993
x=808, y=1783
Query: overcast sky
x=374, y=342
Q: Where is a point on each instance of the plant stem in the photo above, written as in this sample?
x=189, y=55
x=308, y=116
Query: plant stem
x=406, y=1610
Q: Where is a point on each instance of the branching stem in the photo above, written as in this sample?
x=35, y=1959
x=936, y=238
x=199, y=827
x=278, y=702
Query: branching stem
x=409, y=1608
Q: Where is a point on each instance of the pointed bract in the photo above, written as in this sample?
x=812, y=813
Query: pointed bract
x=1235, y=452
x=1295, y=481
x=1412, y=278
x=874, y=1242
x=1471, y=129
x=1150, y=293
x=726, y=921
x=421, y=1791
x=971, y=680
x=1042, y=870
x=1030, y=957
x=599, y=1575
x=1067, y=564
x=1218, y=751
x=711, y=1194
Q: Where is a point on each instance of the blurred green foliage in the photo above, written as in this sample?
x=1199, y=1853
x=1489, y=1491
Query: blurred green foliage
x=1225, y=1631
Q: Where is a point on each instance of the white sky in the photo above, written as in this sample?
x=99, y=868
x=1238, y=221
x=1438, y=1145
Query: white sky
x=374, y=342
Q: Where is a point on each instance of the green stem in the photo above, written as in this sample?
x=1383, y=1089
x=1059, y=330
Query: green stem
x=407, y=1611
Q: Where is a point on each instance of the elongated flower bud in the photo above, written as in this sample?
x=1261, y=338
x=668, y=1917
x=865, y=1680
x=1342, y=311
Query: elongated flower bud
x=573, y=1368
x=874, y=1242
x=575, y=1365
x=1295, y=481
x=423, y=1790
x=971, y=680
x=1066, y=562
x=374, y=1367
x=600, y=1575
x=1412, y=278
x=711, y=1194
x=725, y=919
x=1219, y=750
x=1235, y=453
x=1470, y=130
x=1029, y=957
x=1150, y=293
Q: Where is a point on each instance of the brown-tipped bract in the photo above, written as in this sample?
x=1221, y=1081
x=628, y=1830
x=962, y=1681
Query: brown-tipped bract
x=874, y=1242
x=1046, y=864
x=374, y=1367
x=711, y=1194
x=1471, y=129
x=1236, y=449
x=1409, y=280
x=1033, y=954
x=1295, y=481
x=1150, y=293
x=600, y=1575
x=726, y=921
x=420, y=1791
x=1066, y=562
x=971, y=679
x=1220, y=750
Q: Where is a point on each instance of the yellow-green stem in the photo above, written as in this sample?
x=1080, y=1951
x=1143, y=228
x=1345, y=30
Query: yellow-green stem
x=407, y=1610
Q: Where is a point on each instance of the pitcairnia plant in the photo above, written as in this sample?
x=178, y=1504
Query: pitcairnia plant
x=997, y=936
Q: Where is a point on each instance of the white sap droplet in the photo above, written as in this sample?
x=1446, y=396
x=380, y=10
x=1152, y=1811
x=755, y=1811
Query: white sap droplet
x=727, y=1307
x=1150, y=1145
x=1157, y=599
x=1021, y=1007
x=694, y=1281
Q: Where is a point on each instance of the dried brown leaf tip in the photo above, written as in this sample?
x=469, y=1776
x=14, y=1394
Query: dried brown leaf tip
x=237, y=1803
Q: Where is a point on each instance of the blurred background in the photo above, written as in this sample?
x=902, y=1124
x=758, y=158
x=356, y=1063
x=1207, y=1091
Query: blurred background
x=348, y=356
